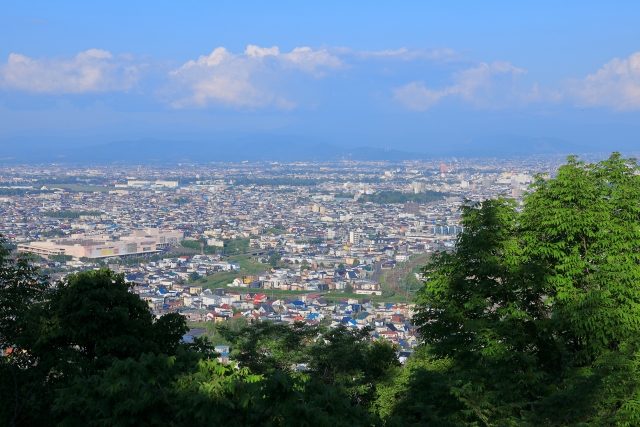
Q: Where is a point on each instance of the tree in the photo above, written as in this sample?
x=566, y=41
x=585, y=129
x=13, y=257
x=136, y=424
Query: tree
x=533, y=318
x=348, y=288
x=161, y=390
x=77, y=329
x=342, y=359
x=21, y=285
x=193, y=276
x=581, y=228
x=341, y=266
x=274, y=258
x=60, y=258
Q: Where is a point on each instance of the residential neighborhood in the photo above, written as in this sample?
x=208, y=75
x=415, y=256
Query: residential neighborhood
x=323, y=243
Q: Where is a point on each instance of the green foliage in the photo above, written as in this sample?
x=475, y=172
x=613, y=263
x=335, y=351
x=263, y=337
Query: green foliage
x=182, y=200
x=231, y=246
x=236, y=246
x=533, y=319
x=390, y=197
x=274, y=258
x=20, y=287
x=160, y=390
x=73, y=330
x=21, y=191
x=340, y=358
x=195, y=245
x=60, y=258
x=185, y=389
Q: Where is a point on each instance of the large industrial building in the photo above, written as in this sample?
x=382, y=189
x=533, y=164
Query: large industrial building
x=139, y=242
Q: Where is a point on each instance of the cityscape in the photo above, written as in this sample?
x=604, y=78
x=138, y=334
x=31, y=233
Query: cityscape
x=319, y=214
x=333, y=242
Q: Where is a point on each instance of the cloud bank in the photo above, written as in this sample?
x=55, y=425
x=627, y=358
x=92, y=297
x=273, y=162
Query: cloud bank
x=483, y=86
x=615, y=85
x=90, y=71
x=248, y=79
x=266, y=77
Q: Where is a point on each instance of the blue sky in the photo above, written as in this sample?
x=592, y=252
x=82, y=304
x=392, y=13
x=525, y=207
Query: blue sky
x=409, y=75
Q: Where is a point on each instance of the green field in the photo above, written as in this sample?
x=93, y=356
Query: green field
x=219, y=280
x=248, y=265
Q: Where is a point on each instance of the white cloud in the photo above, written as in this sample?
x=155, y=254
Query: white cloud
x=311, y=61
x=94, y=70
x=416, y=96
x=616, y=85
x=484, y=86
x=257, y=51
x=245, y=80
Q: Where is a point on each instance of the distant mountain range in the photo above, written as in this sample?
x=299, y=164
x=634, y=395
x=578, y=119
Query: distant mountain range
x=260, y=148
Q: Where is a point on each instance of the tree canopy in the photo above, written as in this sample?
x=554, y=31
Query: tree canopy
x=533, y=318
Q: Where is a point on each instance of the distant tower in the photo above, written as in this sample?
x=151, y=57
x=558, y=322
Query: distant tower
x=443, y=168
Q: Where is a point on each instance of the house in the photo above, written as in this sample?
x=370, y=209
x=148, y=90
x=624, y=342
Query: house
x=259, y=298
x=194, y=315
